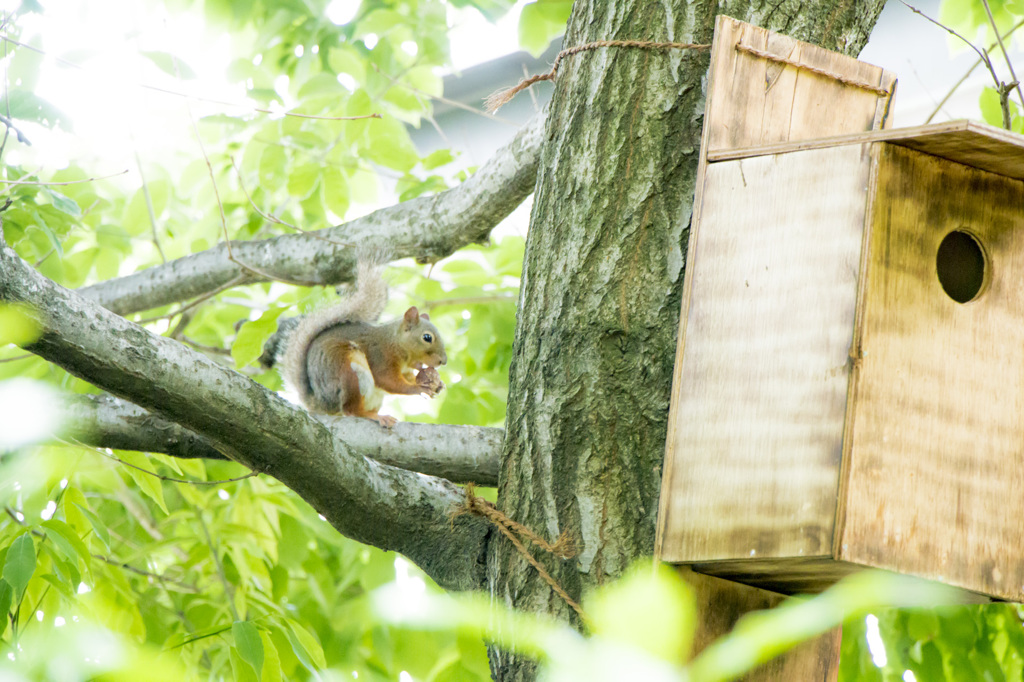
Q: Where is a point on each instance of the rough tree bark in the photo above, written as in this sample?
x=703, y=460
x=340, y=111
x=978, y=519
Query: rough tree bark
x=599, y=308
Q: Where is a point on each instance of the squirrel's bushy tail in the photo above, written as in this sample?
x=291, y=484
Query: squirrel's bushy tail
x=364, y=304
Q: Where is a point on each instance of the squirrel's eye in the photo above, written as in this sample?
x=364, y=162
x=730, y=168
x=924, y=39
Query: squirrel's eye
x=428, y=337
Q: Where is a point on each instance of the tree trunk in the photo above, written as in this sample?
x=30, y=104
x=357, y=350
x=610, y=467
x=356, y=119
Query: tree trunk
x=602, y=281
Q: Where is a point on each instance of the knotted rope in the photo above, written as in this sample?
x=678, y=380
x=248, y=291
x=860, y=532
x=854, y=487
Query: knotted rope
x=516, y=533
x=502, y=97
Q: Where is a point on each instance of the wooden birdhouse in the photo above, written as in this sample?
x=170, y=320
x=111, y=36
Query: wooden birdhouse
x=849, y=385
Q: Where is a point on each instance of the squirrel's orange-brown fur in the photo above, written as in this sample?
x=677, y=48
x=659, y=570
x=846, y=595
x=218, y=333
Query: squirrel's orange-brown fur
x=340, y=362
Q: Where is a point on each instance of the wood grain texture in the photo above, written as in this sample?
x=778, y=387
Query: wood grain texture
x=756, y=101
x=721, y=603
x=741, y=100
x=936, y=464
x=972, y=144
x=756, y=427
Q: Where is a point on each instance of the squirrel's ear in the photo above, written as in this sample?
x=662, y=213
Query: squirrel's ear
x=412, y=315
x=425, y=316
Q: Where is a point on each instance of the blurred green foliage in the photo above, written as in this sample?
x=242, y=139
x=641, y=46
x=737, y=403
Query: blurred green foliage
x=131, y=576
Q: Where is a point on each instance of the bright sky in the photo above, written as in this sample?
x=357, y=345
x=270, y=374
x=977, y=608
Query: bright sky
x=113, y=99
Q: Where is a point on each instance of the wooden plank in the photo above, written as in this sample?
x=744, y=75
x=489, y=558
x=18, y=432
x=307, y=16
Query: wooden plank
x=759, y=400
x=716, y=80
x=799, y=576
x=732, y=86
x=758, y=101
x=966, y=142
x=720, y=603
x=937, y=452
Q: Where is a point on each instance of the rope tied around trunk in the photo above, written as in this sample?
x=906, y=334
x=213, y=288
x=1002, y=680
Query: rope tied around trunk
x=516, y=533
x=502, y=97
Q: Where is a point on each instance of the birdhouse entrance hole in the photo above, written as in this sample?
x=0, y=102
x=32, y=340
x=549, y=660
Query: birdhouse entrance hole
x=960, y=265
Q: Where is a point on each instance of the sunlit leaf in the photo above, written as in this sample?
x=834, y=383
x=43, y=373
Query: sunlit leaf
x=20, y=563
x=137, y=467
x=252, y=335
x=249, y=644
x=6, y=599
x=17, y=325
x=170, y=64
x=652, y=610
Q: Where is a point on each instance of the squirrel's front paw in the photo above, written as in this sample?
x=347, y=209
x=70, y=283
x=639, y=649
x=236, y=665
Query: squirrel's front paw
x=386, y=421
x=429, y=381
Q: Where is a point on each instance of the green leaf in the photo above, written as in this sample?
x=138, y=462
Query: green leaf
x=336, y=191
x=252, y=335
x=98, y=526
x=28, y=106
x=991, y=111
x=249, y=644
x=6, y=599
x=64, y=204
x=922, y=624
x=437, y=158
x=20, y=564
x=345, y=59
x=390, y=146
x=183, y=638
x=555, y=11
x=271, y=659
x=65, y=537
x=301, y=638
x=170, y=64
x=149, y=484
x=302, y=179
x=654, y=611
x=17, y=325
x=307, y=642
x=537, y=29
x=378, y=21
x=273, y=163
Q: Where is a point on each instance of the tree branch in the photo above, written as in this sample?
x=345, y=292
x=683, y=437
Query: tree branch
x=462, y=454
x=427, y=228
x=367, y=501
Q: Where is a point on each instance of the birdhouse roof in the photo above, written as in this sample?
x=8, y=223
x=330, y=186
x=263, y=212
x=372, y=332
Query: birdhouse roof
x=972, y=144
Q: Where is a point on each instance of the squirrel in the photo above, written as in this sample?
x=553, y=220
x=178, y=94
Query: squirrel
x=340, y=361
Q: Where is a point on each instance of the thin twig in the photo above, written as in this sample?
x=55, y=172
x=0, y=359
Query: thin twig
x=223, y=217
x=6, y=120
x=967, y=74
x=149, y=202
x=7, y=94
x=228, y=592
x=983, y=54
x=450, y=102
x=26, y=356
x=251, y=474
x=270, y=218
x=502, y=97
x=215, y=350
x=156, y=576
x=1006, y=55
x=240, y=279
x=179, y=328
x=67, y=182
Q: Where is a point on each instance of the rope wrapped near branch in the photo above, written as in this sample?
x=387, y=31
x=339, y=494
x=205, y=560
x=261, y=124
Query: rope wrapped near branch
x=502, y=97
x=516, y=533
